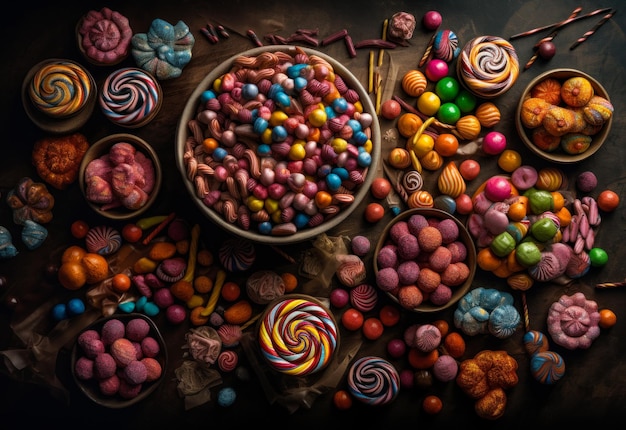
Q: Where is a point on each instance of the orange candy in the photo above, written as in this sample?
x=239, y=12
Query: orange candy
x=518, y=209
x=96, y=267
x=422, y=360
x=446, y=144
x=290, y=280
x=608, y=200
x=408, y=124
x=121, y=282
x=454, y=344
x=607, y=318
x=487, y=260
x=72, y=275
x=230, y=291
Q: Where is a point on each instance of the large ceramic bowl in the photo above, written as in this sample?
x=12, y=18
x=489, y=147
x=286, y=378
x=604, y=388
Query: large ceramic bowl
x=436, y=215
x=557, y=154
x=231, y=200
x=90, y=387
x=102, y=148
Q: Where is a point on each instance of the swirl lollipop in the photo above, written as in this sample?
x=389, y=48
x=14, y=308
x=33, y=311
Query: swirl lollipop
x=130, y=97
x=488, y=66
x=373, y=381
x=298, y=336
x=60, y=89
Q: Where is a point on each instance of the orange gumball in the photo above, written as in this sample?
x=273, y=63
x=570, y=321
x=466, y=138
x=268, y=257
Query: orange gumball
x=73, y=253
x=607, y=318
x=121, y=282
x=518, y=209
x=408, y=124
x=72, y=275
x=96, y=267
x=608, y=200
x=446, y=144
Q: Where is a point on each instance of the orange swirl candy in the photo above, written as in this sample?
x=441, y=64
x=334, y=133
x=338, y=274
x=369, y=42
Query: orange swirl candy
x=414, y=83
x=60, y=89
x=488, y=65
x=450, y=181
x=420, y=199
x=298, y=336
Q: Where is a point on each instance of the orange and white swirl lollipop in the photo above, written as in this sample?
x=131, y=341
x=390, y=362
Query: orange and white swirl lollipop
x=488, y=66
x=298, y=336
x=60, y=89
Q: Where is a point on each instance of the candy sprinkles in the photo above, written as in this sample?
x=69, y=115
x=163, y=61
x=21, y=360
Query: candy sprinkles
x=279, y=143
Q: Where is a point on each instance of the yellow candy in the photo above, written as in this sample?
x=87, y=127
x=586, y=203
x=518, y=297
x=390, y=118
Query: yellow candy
x=297, y=151
x=271, y=205
x=254, y=204
x=318, y=117
x=277, y=118
x=339, y=145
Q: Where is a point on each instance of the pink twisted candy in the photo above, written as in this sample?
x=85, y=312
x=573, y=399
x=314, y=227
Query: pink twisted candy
x=488, y=65
x=298, y=336
x=446, y=45
x=60, y=88
x=130, y=97
x=373, y=381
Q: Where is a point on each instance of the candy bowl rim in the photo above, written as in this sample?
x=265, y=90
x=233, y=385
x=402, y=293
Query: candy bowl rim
x=559, y=156
x=307, y=233
x=90, y=389
x=457, y=292
x=99, y=148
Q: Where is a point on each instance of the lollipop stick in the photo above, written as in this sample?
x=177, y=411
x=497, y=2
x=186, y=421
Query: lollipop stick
x=550, y=37
x=559, y=24
x=589, y=32
x=427, y=52
x=526, y=314
x=611, y=284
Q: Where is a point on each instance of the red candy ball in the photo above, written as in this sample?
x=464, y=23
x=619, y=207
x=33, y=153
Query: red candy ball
x=390, y=109
x=342, y=400
x=374, y=212
x=432, y=405
x=389, y=315
x=470, y=169
x=380, y=187
x=79, y=229
x=464, y=204
x=608, y=200
x=372, y=328
x=131, y=233
x=352, y=319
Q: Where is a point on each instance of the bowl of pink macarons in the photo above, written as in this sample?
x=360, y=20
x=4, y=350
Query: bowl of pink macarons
x=425, y=260
x=119, y=360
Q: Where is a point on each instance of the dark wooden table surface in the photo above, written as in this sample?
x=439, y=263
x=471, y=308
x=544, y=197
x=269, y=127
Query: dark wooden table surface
x=594, y=387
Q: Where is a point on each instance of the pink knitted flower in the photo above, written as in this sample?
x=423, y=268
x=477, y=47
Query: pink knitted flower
x=573, y=321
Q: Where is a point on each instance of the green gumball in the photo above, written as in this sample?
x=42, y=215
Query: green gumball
x=527, y=254
x=539, y=201
x=598, y=257
x=543, y=229
x=503, y=244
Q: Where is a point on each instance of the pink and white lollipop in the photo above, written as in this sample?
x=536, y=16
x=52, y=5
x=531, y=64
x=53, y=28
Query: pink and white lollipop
x=373, y=381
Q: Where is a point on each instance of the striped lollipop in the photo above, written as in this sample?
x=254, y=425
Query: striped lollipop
x=298, y=336
x=373, y=381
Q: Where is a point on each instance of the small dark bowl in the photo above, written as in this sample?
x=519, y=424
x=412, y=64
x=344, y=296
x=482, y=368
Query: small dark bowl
x=90, y=387
x=464, y=236
x=102, y=147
